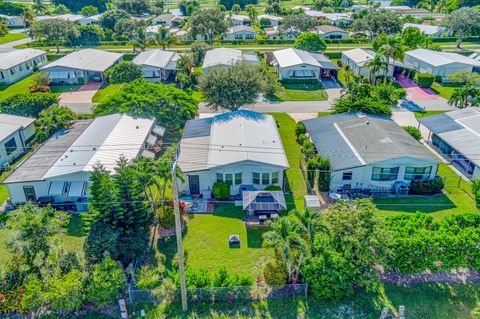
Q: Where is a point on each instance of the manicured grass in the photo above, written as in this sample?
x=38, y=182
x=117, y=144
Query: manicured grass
x=12, y=37
x=455, y=199
x=206, y=243
x=427, y=113
x=444, y=90
x=421, y=302
x=300, y=92
x=106, y=92
x=64, y=88
x=20, y=87
x=321, y=114
x=296, y=182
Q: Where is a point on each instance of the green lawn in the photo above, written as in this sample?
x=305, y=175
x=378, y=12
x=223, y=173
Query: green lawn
x=206, y=243
x=12, y=37
x=300, y=92
x=427, y=113
x=444, y=90
x=421, y=302
x=3, y=189
x=64, y=88
x=16, y=88
x=296, y=182
x=453, y=200
x=106, y=92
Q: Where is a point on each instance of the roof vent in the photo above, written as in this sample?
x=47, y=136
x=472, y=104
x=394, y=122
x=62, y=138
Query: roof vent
x=367, y=122
x=94, y=148
x=137, y=127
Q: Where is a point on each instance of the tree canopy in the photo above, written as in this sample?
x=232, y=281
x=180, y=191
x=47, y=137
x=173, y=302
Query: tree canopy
x=110, y=18
x=125, y=72
x=375, y=22
x=54, y=30
x=297, y=23
x=77, y=5
x=463, y=22
x=208, y=22
x=311, y=42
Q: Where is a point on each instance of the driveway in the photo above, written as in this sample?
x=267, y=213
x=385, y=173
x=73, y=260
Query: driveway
x=80, y=101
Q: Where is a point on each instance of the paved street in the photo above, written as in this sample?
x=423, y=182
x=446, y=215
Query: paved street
x=9, y=46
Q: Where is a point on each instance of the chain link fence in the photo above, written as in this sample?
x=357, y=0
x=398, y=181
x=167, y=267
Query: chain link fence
x=213, y=294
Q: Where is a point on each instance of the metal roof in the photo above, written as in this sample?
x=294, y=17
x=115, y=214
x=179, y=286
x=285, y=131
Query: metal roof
x=9, y=124
x=460, y=129
x=355, y=139
x=249, y=200
x=221, y=56
x=269, y=17
x=425, y=28
x=66, y=16
x=324, y=61
x=325, y=28
x=437, y=58
x=87, y=59
x=238, y=17
x=231, y=138
x=362, y=56
x=16, y=57
x=290, y=57
x=156, y=58
x=240, y=28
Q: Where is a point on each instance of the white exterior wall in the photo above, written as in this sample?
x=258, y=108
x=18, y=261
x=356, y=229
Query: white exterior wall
x=476, y=173
x=154, y=74
x=283, y=72
x=243, y=35
x=4, y=158
x=362, y=176
x=15, y=21
x=22, y=70
x=364, y=71
x=28, y=132
x=209, y=177
x=17, y=195
x=444, y=70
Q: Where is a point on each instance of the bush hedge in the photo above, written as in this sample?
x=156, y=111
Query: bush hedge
x=221, y=190
x=428, y=187
x=424, y=80
x=299, y=81
x=28, y=104
x=414, y=132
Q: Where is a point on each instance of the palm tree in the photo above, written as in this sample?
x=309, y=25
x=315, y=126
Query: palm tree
x=310, y=224
x=464, y=96
x=140, y=40
x=252, y=13
x=286, y=240
x=163, y=37
x=376, y=66
x=392, y=49
x=28, y=16
x=39, y=7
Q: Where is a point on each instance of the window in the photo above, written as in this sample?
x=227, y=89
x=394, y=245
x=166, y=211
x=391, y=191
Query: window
x=275, y=178
x=413, y=173
x=229, y=179
x=238, y=178
x=238, y=36
x=249, y=36
x=347, y=176
x=1, y=75
x=256, y=178
x=11, y=146
x=384, y=174
x=29, y=192
x=219, y=177
x=265, y=179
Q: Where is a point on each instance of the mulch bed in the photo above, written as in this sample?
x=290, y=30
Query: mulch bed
x=458, y=276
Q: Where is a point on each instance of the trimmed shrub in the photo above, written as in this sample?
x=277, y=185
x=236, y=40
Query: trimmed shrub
x=273, y=188
x=476, y=191
x=424, y=80
x=124, y=72
x=414, y=132
x=438, y=79
x=428, y=187
x=28, y=104
x=166, y=216
x=299, y=81
x=300, y=129
x=275, y=273
x=221, y=190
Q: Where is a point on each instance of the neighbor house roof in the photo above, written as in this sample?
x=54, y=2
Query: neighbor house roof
x=425, y=28
x=240, y=28
x=87, y=59
x=438, y=58
x=290, y=57
x=239, y=17
x=231, y=138
x=16, y=57
x=355, y=139
x=328, y=16
x=362, y=56
x=325, y=28
x=227, y=56
x=156, y=58
x=460, y=129
x=9, y=124
x=85, y=144
x=66, y=16
x=269, y=17
x=169, y=17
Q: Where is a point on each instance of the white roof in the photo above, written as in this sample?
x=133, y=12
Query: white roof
x=269, y=17
x=240, y=28
x=329, y=16
x=67, y=16
x=95, y=17
x=156, y=58
x=16, y=57
x=425, y=28
x=437, y=58
x=221, y=56
x=9, y=124
x=231, y=138
x=87, y=59
x=359, y=56
x=289, y=57
x=239, y=17
x=104, y=141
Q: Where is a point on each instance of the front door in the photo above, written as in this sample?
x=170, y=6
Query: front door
x=194, y=184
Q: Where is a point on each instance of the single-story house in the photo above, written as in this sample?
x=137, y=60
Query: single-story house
x=18, y=64
x=153, y=29
x=227, y=57
x=456, y=135
x=274, y=20
x=170, y=20
x=438, y=63
x=157, y=65
x=414, y=12
x=336, y=19
x=59, y=171
x=67, y=16
x=357, y=59
x=185, y=35
x=241, y=148
x=92, y=20
x=81, y=66
x=240, y=32
x=275, y=33
x=15, y=133
x=13, y=21
x=432, y=30
x=238, y=19
x=369, y=152
x=331, y=32
x=298, y=64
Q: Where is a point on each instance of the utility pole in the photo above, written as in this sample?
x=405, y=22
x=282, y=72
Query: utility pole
x=178, y=233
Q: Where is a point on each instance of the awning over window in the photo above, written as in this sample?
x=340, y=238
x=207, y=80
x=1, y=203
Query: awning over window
x=56, y=188
x=77, y=189
x=62, y=74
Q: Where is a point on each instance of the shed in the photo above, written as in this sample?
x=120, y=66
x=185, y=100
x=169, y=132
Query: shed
x=311, y=202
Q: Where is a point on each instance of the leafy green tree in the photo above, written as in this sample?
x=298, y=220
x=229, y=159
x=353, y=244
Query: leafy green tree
x=236, y=8
x=184, y=67
x=390, y=46
x=64, y=293
x=78, y=5
x=29, y=104
x=462, y=22
x=379, y=21
x=137, y=7
x=33, y=231
x=106, y=283
x=125, y=72
x=54, y=30
x=126, y=28
x=28, y=16
x=298, y=23
x=376, y=66
x=149, y=277
x=11, y=8
x=32, y=296
x=412, y=37
x=311, y=42
x=170, y=106
x=140, y=40
x=60, y=9
x=275, y=273
x=463, y=78
x=465, y=96
x=310, y=224
x=111, y=17
x=102, y=241
x=89, y=11
x=163, y=37
x=208, y=22
x=199, y=49
x=51, y=119
x=476, y=191
x=89, y=35
x=3, y=29
x=188, y=7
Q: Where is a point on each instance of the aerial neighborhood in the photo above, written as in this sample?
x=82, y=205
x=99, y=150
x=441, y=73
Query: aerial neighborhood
x=239, y=159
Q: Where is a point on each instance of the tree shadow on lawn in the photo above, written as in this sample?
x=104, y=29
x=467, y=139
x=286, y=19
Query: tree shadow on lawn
x=412, y=204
